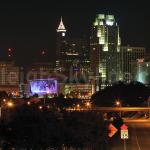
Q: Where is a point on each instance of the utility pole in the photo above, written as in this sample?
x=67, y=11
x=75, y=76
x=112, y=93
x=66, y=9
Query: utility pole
x=148, y=105
x=0, y=112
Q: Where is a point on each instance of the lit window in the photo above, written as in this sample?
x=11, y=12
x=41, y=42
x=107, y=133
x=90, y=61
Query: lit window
x=147, y=65
x=109, y=22
x=63, y=34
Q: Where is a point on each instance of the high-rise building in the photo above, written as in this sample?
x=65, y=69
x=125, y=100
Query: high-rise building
x=39, y=70
x=60, y=44
x=72, y=53
x=9, y=77
x=141, y=71
x=105, y=48
x=129, y=56
x=9, y=74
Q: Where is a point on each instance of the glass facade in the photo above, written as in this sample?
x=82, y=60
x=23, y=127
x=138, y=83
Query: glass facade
x=105, y=48
x=129, y=57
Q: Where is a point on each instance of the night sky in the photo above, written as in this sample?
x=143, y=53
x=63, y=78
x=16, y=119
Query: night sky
x=31, y=27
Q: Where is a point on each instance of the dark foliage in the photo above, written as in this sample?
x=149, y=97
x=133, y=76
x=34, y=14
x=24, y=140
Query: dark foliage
x=133, y=94
x=39, y=129
x=3, y=94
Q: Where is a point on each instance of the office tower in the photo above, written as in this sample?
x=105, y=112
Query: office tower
x=39, y=70
x=9, y=74
x=9, y=77
x=60, y=44
x=129, y=56
x=72, y=53
x=141, y=71
x=105, y=49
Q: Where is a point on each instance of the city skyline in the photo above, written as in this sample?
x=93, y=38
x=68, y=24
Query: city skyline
x=74, y=75
x=31, y=27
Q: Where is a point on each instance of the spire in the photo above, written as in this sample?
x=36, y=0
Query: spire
x=61, y=27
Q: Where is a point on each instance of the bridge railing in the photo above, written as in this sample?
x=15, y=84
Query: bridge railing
x=111, y=109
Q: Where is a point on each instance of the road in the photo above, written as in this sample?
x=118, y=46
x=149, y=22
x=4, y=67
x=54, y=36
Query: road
x=139, y=136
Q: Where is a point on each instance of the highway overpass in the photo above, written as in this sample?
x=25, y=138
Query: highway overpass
x=108, y=109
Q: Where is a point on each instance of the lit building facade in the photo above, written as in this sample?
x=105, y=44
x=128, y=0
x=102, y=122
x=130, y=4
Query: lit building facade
x=60, y=44
x=39, y=70
x=72, y=54
x=77, y=90
x=129, y=56
x=141, y=71
x=9, y=77
x=9, y=73
x=105, y=49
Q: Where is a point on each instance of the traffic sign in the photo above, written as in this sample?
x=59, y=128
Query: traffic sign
x=124, y=132
x=112, y=130
x=124, y=127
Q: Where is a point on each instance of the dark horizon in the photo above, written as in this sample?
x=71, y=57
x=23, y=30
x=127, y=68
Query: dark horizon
x=31, y=27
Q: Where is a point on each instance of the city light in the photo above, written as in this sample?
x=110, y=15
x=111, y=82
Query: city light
x=4, y=100
x=78, y=105
x=88, y=104
x=40, y=107
x=9, y=49
x=109, y=22
x=43, y=52
x=118, y=103
x=10, y=104
x=29, y=103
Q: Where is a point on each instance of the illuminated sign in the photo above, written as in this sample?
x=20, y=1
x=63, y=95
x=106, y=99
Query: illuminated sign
x=43, y=86
x=112, y=130
x=124, y=132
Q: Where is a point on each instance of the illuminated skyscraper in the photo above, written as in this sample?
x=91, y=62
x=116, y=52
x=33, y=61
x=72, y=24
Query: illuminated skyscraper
x=60, y=43
x=72, y=53
x=141, y=71
x=105, y=48
x=129, y=57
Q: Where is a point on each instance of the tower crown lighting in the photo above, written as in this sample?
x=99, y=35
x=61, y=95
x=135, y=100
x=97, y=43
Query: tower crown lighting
x=61, y=27
x=102, y=19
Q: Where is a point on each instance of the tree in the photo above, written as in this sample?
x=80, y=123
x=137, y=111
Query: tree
x=34, y=129
x=133, y=94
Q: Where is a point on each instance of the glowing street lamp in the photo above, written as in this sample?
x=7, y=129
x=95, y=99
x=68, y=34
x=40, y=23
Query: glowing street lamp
x=118, y=104
x=29, y=103
x=40, y=107
x=10, y=104
x=4, y=100
x=78, y=106
x=88, y=104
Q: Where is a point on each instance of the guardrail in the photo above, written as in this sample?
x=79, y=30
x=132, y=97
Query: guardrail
x=111, y=109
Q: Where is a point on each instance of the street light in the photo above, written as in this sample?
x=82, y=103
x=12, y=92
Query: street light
x=40, y=107
x=8, y=104
x=118, y=104
x=78, y=105
x=88, y=104
x=4, y=100
x=28, y=103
